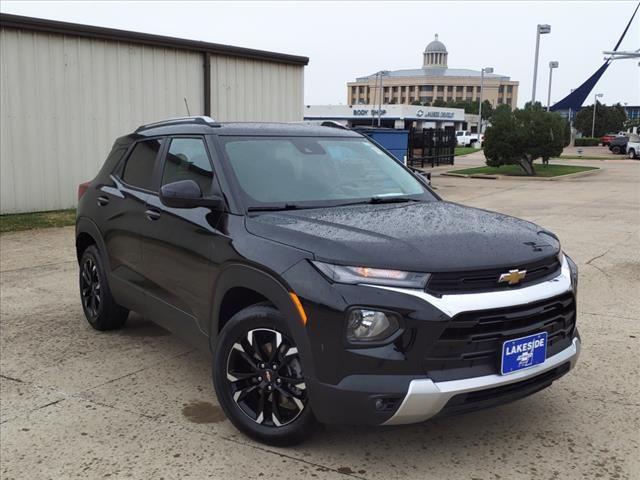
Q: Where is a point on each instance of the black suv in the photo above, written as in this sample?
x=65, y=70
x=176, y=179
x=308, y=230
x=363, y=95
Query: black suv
x=329, y=281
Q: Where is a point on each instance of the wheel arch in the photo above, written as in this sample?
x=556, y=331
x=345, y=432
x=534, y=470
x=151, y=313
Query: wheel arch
x=238, y=279
x=88, y=233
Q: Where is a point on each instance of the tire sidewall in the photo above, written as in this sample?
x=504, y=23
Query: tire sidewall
x=249, y=319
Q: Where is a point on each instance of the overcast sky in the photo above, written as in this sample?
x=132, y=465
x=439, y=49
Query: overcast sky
x=345, y=40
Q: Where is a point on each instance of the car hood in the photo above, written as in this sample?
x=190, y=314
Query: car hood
x=429, y=236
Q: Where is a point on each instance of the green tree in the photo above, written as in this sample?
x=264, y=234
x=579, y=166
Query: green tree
x=521, y=136
x=632, y=123
x=609, y=119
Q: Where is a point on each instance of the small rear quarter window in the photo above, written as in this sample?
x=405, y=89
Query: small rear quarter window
x=138, y=171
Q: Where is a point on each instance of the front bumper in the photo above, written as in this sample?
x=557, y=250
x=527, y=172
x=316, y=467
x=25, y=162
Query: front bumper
x=430, y=369
x=426, y=398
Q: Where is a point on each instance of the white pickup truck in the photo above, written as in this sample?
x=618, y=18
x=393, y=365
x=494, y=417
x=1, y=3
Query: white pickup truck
x=464, y=138
x=633, y=146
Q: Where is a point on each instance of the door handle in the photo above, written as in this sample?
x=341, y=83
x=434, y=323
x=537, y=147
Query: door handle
x=152, y=214
x=102, y=201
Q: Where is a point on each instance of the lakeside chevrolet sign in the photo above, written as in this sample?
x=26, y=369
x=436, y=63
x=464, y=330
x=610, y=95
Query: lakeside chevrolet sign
x=435, y=114
x=395, y=111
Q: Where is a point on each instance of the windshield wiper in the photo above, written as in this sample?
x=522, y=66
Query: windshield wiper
x=295, y=206
x=379, y=200
x=276, y=208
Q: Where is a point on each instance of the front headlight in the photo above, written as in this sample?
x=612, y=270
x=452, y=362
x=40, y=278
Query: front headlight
x=373, y=276
x=365, y=325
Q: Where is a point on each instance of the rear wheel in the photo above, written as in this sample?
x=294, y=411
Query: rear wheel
x=100, y=309
x=615, y=149
x=632, y=153
x=258, y=377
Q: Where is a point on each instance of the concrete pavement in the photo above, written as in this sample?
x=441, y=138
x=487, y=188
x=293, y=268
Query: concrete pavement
x=138, y=403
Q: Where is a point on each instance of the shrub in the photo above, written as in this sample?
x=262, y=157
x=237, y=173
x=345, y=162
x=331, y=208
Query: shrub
x=587, y=142
x=520, y=136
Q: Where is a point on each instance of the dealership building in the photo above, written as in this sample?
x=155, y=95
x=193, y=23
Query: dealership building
x=68, y=90
x=433, y=81
x=390, y=116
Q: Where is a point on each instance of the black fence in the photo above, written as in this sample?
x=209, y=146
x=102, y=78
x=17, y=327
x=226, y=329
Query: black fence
x=434, y=146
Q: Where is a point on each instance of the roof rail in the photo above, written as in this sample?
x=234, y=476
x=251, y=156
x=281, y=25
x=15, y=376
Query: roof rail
x=334, y=124
x=203, y=120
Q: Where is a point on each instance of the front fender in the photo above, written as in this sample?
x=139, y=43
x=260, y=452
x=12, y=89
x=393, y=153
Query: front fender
x=273, y=289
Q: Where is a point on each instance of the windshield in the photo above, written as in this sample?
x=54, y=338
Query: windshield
x=317, y=171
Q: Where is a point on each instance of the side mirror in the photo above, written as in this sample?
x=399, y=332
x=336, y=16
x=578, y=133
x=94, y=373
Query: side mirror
x=187, y=194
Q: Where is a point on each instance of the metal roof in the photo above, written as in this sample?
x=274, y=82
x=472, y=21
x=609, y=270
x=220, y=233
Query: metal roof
x=436, y=72
x=90, y=31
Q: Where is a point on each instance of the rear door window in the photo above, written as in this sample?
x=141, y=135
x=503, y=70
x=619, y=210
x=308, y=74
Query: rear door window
x=138, y=171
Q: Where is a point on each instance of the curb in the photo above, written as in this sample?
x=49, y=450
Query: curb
x=568, y=176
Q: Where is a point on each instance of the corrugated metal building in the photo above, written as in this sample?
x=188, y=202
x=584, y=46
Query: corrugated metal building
x=68, y=90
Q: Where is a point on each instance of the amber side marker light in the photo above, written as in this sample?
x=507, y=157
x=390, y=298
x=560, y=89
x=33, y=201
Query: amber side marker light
x=296, y=302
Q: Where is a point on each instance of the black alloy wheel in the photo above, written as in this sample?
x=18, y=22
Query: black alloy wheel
x=100, y=308
x=265, y=377
x=90, y=288
x=259, y=377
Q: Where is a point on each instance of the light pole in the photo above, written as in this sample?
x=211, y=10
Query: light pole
x=541, y=30
x=482, y=72
x=552, y=65
x=595, y=104
x=382, y=73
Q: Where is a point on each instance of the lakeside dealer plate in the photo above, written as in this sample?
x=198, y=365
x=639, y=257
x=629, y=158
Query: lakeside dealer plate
x=525, y=352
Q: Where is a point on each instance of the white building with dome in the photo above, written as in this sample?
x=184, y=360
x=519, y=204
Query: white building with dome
x=433, y=82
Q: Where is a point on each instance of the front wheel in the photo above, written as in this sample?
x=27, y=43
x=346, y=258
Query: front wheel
x=615, y=149
x=632, y=153
x=259, y=380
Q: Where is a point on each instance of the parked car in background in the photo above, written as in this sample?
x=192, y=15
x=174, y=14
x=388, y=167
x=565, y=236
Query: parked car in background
x=464, y=138
x=605, y=140
x=633, y=147
x=619, y=144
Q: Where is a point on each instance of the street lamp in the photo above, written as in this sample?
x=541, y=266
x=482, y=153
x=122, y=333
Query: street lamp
x=482, y=72
x=541, y=30
x=552, y=65
x=595, y=104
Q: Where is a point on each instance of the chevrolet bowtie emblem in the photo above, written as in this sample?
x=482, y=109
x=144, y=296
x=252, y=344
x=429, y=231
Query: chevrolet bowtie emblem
x=513, y=277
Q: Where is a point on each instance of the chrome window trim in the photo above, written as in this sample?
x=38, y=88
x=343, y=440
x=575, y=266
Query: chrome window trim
x=467, y=302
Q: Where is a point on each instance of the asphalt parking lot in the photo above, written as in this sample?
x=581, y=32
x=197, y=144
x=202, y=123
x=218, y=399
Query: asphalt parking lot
x=138, y=403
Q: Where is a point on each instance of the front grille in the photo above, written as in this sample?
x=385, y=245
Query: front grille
x=485, y=280
x=473, y=340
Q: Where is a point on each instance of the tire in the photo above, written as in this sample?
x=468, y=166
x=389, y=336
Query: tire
x=615, y=149
x=632, y=154
x=100, y=309
x=265, y=403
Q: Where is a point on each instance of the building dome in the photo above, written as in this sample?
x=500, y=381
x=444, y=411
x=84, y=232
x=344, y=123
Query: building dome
x=435, y=55
x=436, y=47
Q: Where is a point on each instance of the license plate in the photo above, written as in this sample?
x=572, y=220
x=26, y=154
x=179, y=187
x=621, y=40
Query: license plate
x=525, y=352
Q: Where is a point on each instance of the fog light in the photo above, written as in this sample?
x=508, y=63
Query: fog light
x=370, y=325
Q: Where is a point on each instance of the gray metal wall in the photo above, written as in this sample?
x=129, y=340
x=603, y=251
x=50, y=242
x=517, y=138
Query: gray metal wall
x=253, y=90
x=64, y=100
